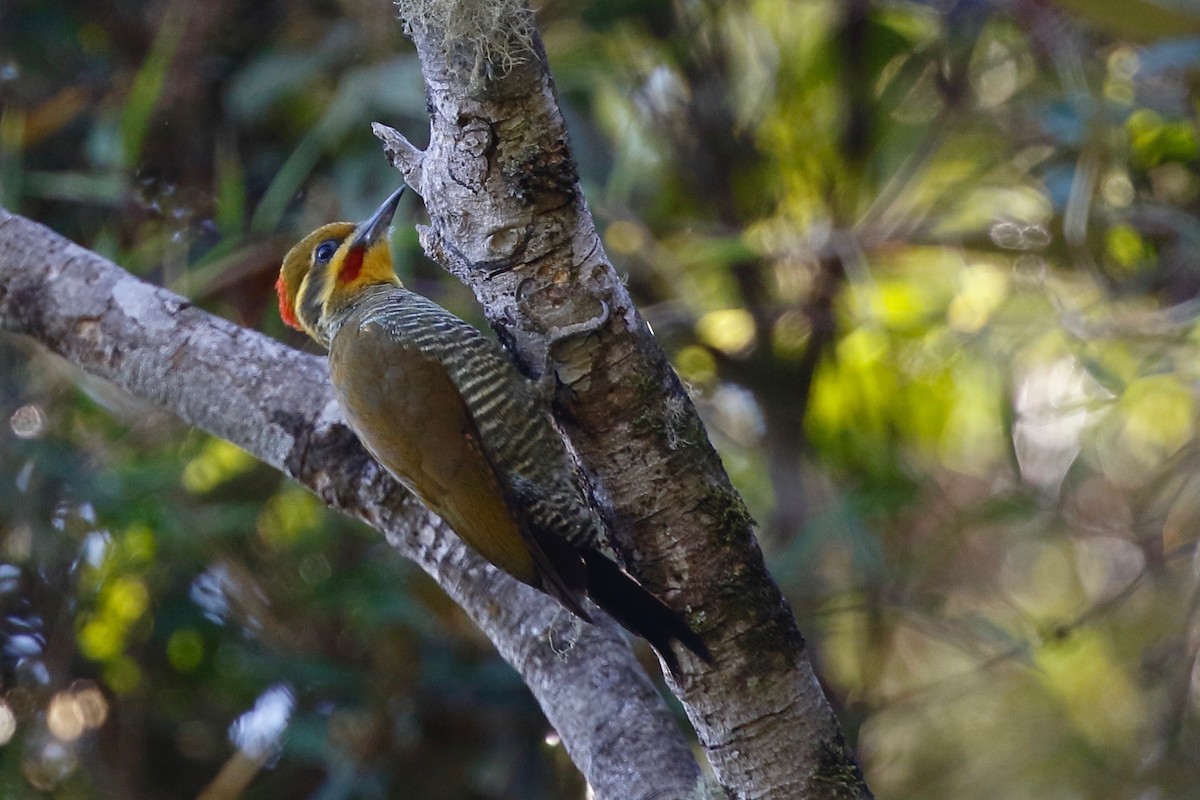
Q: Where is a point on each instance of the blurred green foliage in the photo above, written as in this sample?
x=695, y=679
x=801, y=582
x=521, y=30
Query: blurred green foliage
x=930, y=269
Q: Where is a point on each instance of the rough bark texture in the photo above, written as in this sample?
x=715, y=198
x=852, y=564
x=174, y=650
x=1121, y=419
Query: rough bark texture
x=276, y=403
x=508, y=217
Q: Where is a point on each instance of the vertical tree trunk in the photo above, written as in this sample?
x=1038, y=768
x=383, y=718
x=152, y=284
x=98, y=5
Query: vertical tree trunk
x=509, y=218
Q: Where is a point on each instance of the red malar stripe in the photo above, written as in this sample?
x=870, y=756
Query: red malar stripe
x=351, y=266
x=285, y=308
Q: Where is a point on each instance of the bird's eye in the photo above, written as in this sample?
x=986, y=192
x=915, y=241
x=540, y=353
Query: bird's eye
x=325, y=251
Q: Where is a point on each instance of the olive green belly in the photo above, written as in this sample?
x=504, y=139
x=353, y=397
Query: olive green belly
x=409, y=415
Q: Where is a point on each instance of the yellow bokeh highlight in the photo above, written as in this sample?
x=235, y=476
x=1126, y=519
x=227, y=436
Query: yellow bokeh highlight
x=1099, y=698
x=288, y=516
x=972, y=438
x=897, y=304
x=1143, y=127
x=217, y=462
x=729, y=330
x=185, y=649
x=138, y=543
x=852, y=391
x=125, y=598
x=1126, y=247
x=624, y=237
x=695, y=364
x=1159, y=418
x=101, y=639
x=1155, y=140
x=983, y=290
x=121, y=602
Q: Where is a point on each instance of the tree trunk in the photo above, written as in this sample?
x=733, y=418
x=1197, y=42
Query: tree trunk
x=508, y=217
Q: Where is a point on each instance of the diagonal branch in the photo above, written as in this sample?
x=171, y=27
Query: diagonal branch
x=276, y=403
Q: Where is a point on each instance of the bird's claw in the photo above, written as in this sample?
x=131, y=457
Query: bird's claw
x=581, y=328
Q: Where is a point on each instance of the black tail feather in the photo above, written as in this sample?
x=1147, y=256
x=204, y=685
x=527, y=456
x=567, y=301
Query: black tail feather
x=632, y=605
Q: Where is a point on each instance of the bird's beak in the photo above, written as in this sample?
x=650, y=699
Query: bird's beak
x=375, y=228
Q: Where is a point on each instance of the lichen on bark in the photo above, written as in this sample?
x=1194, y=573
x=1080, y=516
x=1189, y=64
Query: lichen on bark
x=484, y=39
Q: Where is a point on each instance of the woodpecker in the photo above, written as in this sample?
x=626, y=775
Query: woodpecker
x=444, y=410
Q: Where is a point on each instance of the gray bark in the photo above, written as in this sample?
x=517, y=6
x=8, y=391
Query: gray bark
x=276, y=403
x=508, y=217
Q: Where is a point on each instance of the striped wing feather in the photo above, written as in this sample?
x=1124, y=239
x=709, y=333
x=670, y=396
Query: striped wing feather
x=412, y=417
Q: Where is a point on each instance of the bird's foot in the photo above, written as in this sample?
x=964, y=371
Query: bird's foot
x=580, y=328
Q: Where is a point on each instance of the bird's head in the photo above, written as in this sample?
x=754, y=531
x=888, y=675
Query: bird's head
x=328, y=268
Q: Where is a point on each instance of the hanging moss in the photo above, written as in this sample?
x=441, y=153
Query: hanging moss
x=487, y=37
